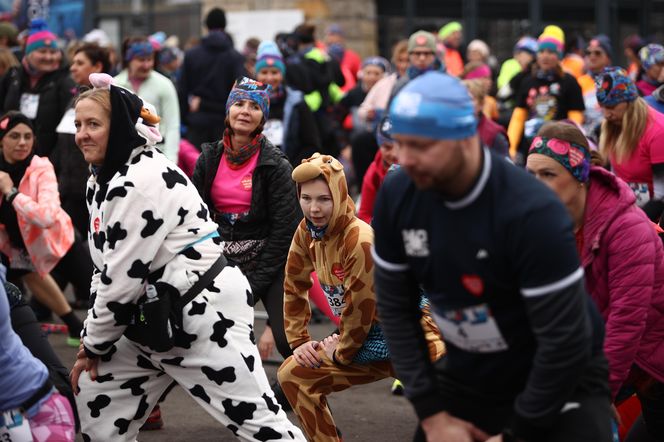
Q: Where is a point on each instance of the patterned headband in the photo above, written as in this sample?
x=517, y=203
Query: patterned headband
x=573, y=157
x=139, y=49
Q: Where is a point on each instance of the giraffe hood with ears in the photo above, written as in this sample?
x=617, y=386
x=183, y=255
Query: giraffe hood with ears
x=332, y=171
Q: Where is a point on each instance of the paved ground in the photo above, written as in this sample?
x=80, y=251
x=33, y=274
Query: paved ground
x=363, y=413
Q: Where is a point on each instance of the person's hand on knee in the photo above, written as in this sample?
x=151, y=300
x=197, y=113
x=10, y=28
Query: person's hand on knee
x=307, y=354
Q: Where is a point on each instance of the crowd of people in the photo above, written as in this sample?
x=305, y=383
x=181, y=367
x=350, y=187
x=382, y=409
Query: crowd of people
x=488, y=234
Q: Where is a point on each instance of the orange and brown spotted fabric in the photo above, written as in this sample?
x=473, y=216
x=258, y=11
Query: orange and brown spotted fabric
x=342, y=260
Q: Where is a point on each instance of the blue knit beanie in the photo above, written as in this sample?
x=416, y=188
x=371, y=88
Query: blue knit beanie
x=269, y=56
x=434, y=105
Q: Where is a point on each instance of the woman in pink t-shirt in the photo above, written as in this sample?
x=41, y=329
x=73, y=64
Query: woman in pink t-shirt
x=631, y=138
x=245, y=181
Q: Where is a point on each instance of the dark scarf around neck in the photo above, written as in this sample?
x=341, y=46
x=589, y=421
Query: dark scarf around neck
x=237, y=156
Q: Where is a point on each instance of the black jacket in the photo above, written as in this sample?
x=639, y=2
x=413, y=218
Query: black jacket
x=55, y=91
x=302, y=138
x=273, y=215
x=209, y=71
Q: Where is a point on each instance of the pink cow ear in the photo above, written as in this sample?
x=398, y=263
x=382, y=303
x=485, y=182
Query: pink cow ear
x=4, y=123
x=101, y=80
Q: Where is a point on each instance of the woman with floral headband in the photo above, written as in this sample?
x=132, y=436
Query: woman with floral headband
x=623, y=261
x=245, y=181
x=631, y=139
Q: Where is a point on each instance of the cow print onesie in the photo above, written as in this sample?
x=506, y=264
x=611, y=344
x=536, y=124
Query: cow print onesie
x=149, y=215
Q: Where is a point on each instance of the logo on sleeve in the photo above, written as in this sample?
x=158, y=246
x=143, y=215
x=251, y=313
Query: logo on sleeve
x=95, y=224
x=416, y=242
x=473, y=284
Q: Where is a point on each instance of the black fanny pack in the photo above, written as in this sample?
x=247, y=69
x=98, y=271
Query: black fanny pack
x=157, y=317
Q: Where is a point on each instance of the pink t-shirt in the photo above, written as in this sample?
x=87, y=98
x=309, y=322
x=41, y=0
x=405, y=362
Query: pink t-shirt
x=637, y=170
x=231, y=188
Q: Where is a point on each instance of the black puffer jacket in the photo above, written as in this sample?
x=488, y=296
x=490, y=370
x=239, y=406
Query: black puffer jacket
x=55, y=89
x=273, y=215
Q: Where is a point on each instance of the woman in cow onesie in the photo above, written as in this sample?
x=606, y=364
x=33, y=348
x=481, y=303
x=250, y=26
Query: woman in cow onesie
x=146, y=215
x=335, y=244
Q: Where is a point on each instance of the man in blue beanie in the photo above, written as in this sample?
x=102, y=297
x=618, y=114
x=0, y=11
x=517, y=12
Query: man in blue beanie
x=494, y=251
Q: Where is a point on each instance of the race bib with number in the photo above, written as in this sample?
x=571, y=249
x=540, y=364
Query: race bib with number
x=472, y=329
x=335, y=298
x=15, y=427
x=641, y=192
x=30, y=105
x=274, y=131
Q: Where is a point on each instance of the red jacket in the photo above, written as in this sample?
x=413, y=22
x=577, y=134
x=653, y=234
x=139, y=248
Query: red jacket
x=624, y=263
x=373, y=179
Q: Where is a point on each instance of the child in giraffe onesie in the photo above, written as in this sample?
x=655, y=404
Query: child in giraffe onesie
x=336, y=244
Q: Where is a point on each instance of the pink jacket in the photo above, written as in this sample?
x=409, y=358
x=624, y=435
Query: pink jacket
x=46, y=228
x=624, y=263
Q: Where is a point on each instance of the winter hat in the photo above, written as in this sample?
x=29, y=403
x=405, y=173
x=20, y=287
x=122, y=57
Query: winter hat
x=552, y=39
x=142, y=48
x=12, y=119
x=615, y=86
x=167, y=55
x=40, y=37
x=269, y=56
x=8, y=30
x=481, y=70
x=249, y=89
x=422, y=38
x=376, y=61
x=651, y=55
x=634, y=42
x=384, y=131
x=526, y=44
x=602, y=42
x=479, y=46
x=132, y=125
x=334, y=29
x=434, y=105
x=216, y=19
x=449, y=29
x=97, y=36
x=573, y=157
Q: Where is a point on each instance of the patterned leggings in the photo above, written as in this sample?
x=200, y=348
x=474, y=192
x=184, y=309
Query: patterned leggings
x=54, y=421
x=307, y=390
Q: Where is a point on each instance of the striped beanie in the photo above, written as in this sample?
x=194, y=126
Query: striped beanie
x=553, y=39
x=269, y=56
x=40, y=37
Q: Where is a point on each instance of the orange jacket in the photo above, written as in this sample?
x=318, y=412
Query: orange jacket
x=46, y=228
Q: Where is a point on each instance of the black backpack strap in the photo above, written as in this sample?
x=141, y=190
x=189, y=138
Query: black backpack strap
x=202, y=283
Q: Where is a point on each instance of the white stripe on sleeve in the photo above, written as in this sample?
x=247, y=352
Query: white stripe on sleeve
x=554, y=286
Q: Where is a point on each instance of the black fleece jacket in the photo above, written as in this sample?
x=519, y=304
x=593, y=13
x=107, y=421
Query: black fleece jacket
x=273, y=215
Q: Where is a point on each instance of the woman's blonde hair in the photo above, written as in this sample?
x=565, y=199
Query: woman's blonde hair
x=7, y=60
x=476, y=89
x=100, y=96
x=620, y=141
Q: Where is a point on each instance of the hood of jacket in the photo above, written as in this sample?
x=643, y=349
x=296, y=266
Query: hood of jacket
x=217, y=41
x=608, y=197
x=332, y=171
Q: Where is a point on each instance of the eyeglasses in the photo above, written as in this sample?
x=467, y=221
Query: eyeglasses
x=596, y=53
x=421, y=53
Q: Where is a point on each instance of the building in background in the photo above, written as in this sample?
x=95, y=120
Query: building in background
x=371, y=26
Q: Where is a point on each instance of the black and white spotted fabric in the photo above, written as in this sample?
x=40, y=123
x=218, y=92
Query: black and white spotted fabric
x=147, y=214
